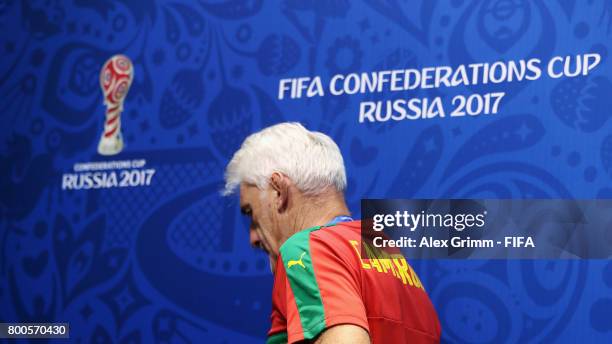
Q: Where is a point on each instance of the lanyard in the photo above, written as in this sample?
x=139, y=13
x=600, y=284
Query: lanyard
x=337, y=219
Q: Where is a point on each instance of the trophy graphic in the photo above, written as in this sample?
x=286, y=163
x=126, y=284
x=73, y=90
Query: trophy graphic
x=115, y=79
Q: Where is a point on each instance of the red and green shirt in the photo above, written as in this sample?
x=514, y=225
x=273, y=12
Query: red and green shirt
x=321, y=280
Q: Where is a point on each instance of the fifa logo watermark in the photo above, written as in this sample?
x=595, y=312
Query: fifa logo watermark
x=115, y=80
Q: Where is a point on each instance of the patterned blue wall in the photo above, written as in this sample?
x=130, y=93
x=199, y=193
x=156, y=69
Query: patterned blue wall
x=170, y=262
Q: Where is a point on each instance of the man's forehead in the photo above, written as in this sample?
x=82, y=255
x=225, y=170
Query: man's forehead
x=247, y=191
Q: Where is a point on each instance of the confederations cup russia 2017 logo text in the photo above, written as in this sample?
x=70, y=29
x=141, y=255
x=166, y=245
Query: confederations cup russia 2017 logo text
x=115, y=79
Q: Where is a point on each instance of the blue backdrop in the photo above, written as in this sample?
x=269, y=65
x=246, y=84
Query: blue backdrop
x=169, y=261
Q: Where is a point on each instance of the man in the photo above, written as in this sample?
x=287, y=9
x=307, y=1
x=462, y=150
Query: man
x=291, y=183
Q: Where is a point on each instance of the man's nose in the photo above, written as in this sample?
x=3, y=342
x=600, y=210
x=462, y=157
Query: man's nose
x=254, y=238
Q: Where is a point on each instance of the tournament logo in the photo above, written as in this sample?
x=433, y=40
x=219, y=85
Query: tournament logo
x=115, y=79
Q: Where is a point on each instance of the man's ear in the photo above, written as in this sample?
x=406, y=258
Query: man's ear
x=280, y=185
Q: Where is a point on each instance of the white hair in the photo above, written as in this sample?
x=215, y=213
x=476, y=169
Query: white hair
x=311, y=159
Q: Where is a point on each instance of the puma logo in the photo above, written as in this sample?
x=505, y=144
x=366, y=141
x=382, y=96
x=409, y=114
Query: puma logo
x=297, y=262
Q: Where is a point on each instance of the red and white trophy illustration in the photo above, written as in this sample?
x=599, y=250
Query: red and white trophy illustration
x=115, y=79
